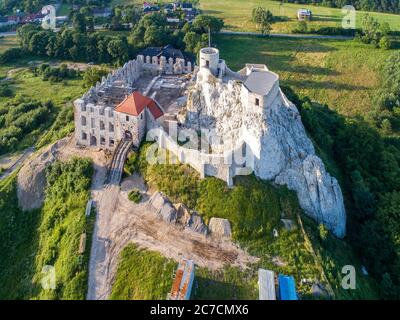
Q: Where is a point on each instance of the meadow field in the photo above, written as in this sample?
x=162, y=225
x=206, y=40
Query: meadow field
x=8, y=42
x=340, y=73
x=237, y=14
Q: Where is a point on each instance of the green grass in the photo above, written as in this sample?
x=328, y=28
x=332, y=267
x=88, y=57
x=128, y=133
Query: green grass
x=237, y=14
x=25, y=83
x=30, y=87
x=8, y=42
x=226, y=284
x=254, y=208
x=48, y=236
x=64, y=9
x=342, y=74
x=135, y=195
x=142, y=275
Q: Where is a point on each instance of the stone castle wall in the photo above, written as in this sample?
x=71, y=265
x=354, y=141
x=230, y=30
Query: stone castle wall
x=96, y=106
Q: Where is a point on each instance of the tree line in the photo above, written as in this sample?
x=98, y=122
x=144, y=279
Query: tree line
x=8, y=7
x=79, y=44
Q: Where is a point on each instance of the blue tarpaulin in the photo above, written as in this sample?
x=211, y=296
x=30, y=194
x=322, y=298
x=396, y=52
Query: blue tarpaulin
x=287, y=288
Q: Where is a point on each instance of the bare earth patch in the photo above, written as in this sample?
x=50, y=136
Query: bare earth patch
x=120, y=222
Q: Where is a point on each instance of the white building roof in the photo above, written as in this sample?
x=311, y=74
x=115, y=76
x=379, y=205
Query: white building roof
x=261, y=82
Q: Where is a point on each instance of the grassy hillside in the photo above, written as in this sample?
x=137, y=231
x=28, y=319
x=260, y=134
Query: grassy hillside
x=237, y=14
x=142, y=275
x=254, y=208
x=342, y=74
x=49, y=236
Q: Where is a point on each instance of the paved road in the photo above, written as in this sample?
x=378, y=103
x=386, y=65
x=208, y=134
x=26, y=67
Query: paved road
x=17, y=163
x=288, y=35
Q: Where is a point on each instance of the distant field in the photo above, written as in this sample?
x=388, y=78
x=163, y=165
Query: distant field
x=237, y=14
x=342, y=74
x=25, y=83
x=8, y=42
x=63, y=10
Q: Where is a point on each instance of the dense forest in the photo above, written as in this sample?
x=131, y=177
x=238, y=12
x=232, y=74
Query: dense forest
x=81, y=44
x=392, y=6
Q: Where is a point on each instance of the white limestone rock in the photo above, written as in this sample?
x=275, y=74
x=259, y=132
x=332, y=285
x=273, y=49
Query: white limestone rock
x=220, y=227
x=283, y=152
x=164, y=208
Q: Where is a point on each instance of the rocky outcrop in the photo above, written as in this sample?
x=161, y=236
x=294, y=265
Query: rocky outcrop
x=190, y=219
x=220, y=227
x=177, y=214
x=276, y=136
x=164, y=207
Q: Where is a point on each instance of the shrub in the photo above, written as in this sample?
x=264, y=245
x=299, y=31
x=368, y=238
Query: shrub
x=135, y=196
x=131, y=163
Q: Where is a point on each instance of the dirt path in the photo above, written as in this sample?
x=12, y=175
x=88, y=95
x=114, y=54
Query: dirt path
x=120, y=222
x=21, y=159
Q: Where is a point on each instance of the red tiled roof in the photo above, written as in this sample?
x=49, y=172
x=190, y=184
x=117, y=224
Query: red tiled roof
x=135, y=103
x=155, y=110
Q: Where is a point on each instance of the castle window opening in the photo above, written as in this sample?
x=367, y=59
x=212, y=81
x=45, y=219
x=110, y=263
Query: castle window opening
x=257, y=102
x=141, y=116
x=91, y=109
x=84, y=136
x=112, y=142
x=110, y=114
x=83, y=108
x=127, y=118
x=83, y=121
x=111, y=127
x=93, y=123
x=101, y=112
x=93, y=141
x=102, y=141
x=102, y=126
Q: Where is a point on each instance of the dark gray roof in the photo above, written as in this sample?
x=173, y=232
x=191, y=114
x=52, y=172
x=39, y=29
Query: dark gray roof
x=167, y=52
x=261, y=82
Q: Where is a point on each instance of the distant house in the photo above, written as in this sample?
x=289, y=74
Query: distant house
x=189, y=16
x=3, y=21
x=13, y=20
x=173, y=20
x=60, y=20
x=9, y=21
x=32, y=18
x=102, y=12
x=304, y=14
x=187, y=6
x=151, y=9
x=168, y=8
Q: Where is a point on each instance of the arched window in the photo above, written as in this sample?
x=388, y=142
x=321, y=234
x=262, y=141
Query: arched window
x=83, y=120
